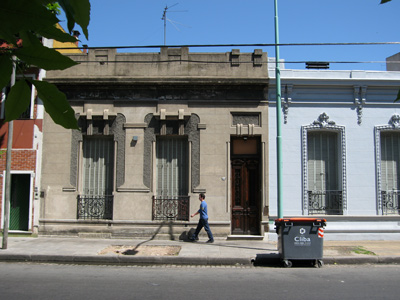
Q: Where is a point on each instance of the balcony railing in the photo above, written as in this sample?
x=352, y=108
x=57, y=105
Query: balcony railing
x=95, y=207
x=171, y=208
x=325, y=202
x=390, y=202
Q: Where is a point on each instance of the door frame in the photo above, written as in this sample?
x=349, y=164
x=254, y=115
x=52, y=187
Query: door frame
x=260, y=158
x=30, y=209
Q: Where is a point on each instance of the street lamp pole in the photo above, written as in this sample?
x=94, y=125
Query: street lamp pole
x=278, y=117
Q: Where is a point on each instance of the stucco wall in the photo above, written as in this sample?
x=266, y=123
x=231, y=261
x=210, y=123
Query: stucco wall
x=203, y=88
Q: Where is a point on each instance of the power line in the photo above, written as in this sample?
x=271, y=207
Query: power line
x=235, y=45
x=228, y=62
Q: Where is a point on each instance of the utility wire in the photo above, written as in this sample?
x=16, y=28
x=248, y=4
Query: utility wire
x=234, y=45
x=227, y=62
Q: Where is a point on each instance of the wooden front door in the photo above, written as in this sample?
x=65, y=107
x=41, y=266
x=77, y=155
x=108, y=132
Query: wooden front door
x=245, y=195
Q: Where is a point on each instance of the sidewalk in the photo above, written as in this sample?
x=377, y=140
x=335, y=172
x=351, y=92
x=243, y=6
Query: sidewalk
x=222, y=252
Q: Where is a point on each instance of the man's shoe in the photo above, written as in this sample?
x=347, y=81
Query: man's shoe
x=210, y=241
x=193, y=240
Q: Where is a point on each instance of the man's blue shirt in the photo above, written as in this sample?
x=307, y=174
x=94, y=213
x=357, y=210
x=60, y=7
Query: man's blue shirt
x=203, y=210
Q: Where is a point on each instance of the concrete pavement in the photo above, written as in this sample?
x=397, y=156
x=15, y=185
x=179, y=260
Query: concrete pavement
x=221, y=252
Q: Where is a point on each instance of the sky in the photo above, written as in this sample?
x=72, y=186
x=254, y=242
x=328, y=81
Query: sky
x=210, y=22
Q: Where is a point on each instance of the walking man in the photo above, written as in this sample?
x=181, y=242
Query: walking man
x=203, y=221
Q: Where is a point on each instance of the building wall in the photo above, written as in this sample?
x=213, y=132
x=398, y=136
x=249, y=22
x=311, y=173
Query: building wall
x=393, y=62
x=172, y=84
x=26, y=152
x=359, y=101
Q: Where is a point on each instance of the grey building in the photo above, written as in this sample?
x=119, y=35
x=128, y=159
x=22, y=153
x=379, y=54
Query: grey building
x=157, y=129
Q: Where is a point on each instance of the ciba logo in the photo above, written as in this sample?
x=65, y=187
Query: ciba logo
x=302, y=238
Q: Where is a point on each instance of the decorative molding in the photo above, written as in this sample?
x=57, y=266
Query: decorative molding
x=323, y=123
x=135, y=125
x=359, y=101
x=133, y=190
x=393, y=125
x=286, y=101
x=235, y=58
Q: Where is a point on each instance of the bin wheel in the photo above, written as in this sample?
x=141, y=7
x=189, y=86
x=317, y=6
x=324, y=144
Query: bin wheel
x=319, y=263
x=287, y=263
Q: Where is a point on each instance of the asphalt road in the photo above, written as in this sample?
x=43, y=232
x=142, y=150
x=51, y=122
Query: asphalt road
x=49, y=281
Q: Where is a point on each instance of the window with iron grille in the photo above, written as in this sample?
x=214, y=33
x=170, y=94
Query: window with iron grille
x=390, y=171
x=96, y=201
x=324, y=190
x=324, y=167
x=172, y=186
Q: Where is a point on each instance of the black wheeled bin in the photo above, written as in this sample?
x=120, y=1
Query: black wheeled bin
x=300, y=239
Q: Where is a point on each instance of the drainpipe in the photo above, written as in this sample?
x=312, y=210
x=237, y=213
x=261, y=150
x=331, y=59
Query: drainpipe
x=278, y=117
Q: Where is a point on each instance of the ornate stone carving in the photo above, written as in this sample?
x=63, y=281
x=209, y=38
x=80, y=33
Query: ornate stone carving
x=286, y=101
x=323, y=121
x=359, y=101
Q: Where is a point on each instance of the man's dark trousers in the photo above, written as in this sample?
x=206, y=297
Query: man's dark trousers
x=203, y=223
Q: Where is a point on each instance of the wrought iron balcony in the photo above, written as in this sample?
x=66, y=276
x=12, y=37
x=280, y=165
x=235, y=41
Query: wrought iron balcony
x=325, y=202
x=390, y=202
x=95, y=207
x=171, y=208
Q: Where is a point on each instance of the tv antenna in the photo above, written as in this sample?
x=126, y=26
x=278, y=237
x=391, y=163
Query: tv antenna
x=165, y=19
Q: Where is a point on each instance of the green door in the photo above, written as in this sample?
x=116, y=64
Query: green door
x=19, y=202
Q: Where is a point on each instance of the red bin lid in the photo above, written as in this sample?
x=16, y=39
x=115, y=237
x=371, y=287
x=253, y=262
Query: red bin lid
x=300, y=220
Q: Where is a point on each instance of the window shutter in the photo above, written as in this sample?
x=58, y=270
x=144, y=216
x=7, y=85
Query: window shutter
x=98, y=165
x=390, y=159
x=322, y=161
x=172, y=166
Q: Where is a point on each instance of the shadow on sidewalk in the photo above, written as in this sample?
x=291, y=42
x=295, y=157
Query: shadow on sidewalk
x=171, y=234
x=267, y=260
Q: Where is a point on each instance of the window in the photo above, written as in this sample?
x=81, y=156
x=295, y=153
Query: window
x=324, y=193
x=98, y=165
x=172, y=186
x=322, y=161
x=172, y=166
x=96, y=200
x=324, y=167
x=390, y=171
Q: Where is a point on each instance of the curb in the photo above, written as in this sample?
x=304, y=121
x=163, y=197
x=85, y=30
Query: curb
x=127, y=260
x=260, y=261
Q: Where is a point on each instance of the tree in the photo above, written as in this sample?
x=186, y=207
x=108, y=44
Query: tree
x=23, y=22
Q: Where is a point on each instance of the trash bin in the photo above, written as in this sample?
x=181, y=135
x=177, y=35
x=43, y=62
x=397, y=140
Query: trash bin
x=300, y=239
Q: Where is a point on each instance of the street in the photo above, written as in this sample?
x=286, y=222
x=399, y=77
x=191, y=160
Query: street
x=51, y=281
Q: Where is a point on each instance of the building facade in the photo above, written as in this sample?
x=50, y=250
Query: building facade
x=25, y=162
x=157, y=129
x=340, y=136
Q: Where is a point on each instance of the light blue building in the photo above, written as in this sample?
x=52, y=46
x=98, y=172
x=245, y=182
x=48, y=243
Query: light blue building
x=341, y=151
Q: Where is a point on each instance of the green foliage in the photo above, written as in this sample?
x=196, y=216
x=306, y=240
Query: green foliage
x=385, y=1
x=28, y=20
x=18, y=100
x=56, y=104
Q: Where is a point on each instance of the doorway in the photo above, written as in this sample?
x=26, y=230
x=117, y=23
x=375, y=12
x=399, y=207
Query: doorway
x=246, y=183
x=20, y=202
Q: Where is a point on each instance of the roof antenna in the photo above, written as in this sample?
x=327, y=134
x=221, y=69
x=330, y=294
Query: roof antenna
x=165, y=19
